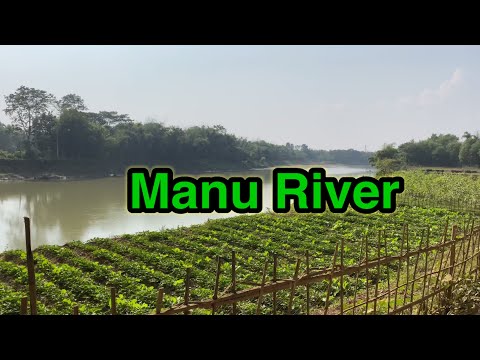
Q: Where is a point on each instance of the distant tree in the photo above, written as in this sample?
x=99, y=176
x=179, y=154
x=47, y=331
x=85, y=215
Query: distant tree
x=25, y=105
x=71, y=102
x=109, y=118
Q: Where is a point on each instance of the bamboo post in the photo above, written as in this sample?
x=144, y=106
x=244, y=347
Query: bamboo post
x=260, y=296
x=473, y=241
x=32, y=287
x=330, y=280
x=378, y=273
x=424, y=305
x=440, y=266
x=451, y=269
x=24, y=305
x=274, y=295
x=341, y=276
x=217, y=281
x=366, y=276
x=307, y=262
x=407, y=267
x=75, y=310
x=234, y=280
x=356, y=279
x=399, y=269
x=187, y=290
x=292, y=288
x=415, y=272
x=388, y=271
x=158, y=308
x=114, y=301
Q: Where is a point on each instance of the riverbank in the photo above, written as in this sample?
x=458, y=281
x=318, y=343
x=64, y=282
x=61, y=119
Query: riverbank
x=60, y=170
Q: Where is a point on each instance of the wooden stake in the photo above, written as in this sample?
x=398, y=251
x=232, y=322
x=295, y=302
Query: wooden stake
x=356, y=278
x=217, y=281
x=24, y=306
x=274, y=295
x=307, y=262
x=292, y=289
x=330, y=280
x=260, y=297
x=440, y=266
x=424, y=287
x=399, y=269
x=341, y=276
x=234, y=280
x=32, y=287
x=407, y=267
x=75, y=310
x=378, y=274
x=158, y=308
x=114, y=301
x=388, y=271
x=187, y=291
x=415, y=273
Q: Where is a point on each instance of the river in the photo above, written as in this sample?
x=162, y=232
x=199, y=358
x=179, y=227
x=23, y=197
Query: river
x=63, y=211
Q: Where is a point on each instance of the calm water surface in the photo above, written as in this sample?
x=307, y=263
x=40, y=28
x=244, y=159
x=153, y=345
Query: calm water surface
x=80, y=210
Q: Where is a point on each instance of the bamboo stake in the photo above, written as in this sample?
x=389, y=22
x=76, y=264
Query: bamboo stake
x=32, y=287
x=292, y=289
x=415, y=272
x=424, y=304
x=158, y=309
x=366, y=276
x=113, y=296
x=341, y=276
x=24, y=305
x=399, y=269
x=260, y=297
x=378, y=274
x=307, y=261
x=274, y=295
x=330, y=279
x=187, y=290
x=440, y=266
x=234, y=280
x=217, y=281
x=356, y=278
x=407, y=267
x=75, y=310
x=388, y=271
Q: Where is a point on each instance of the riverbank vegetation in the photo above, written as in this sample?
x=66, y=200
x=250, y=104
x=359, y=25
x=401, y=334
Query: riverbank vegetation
x=437, y=151
x=45, y=128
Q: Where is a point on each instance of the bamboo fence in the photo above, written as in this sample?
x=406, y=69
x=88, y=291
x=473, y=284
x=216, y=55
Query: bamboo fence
x=413, y=280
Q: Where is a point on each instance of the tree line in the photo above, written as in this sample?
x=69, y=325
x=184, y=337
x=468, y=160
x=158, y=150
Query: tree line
x=43, y=127
x=438, y=150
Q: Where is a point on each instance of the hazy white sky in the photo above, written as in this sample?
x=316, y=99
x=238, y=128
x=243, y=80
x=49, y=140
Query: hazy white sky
x=324, y=96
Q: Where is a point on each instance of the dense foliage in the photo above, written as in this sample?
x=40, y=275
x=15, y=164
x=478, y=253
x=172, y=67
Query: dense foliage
x=438, y=150
x=44, y=128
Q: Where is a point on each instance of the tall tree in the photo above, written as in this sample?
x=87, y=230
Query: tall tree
x=25, y=105
x=71, y=102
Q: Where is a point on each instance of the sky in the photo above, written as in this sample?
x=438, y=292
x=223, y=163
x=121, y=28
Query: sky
x=328, y=97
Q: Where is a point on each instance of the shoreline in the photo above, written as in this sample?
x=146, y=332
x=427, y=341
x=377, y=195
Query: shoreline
x=55, y=177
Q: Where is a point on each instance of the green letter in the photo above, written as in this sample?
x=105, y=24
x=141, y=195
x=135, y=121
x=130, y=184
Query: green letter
x=338, y=201
x=190, y=193
x=139, y=185
x=388, y=188
x=222, y=194
x=358, y=195
x=252, y=200
x=283, y=192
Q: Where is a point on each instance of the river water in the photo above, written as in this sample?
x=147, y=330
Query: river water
x=63, y=211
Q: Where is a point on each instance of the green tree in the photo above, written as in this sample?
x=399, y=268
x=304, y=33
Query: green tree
x=24, y=106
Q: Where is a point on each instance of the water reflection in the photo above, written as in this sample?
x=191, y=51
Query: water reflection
x=80, y=210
